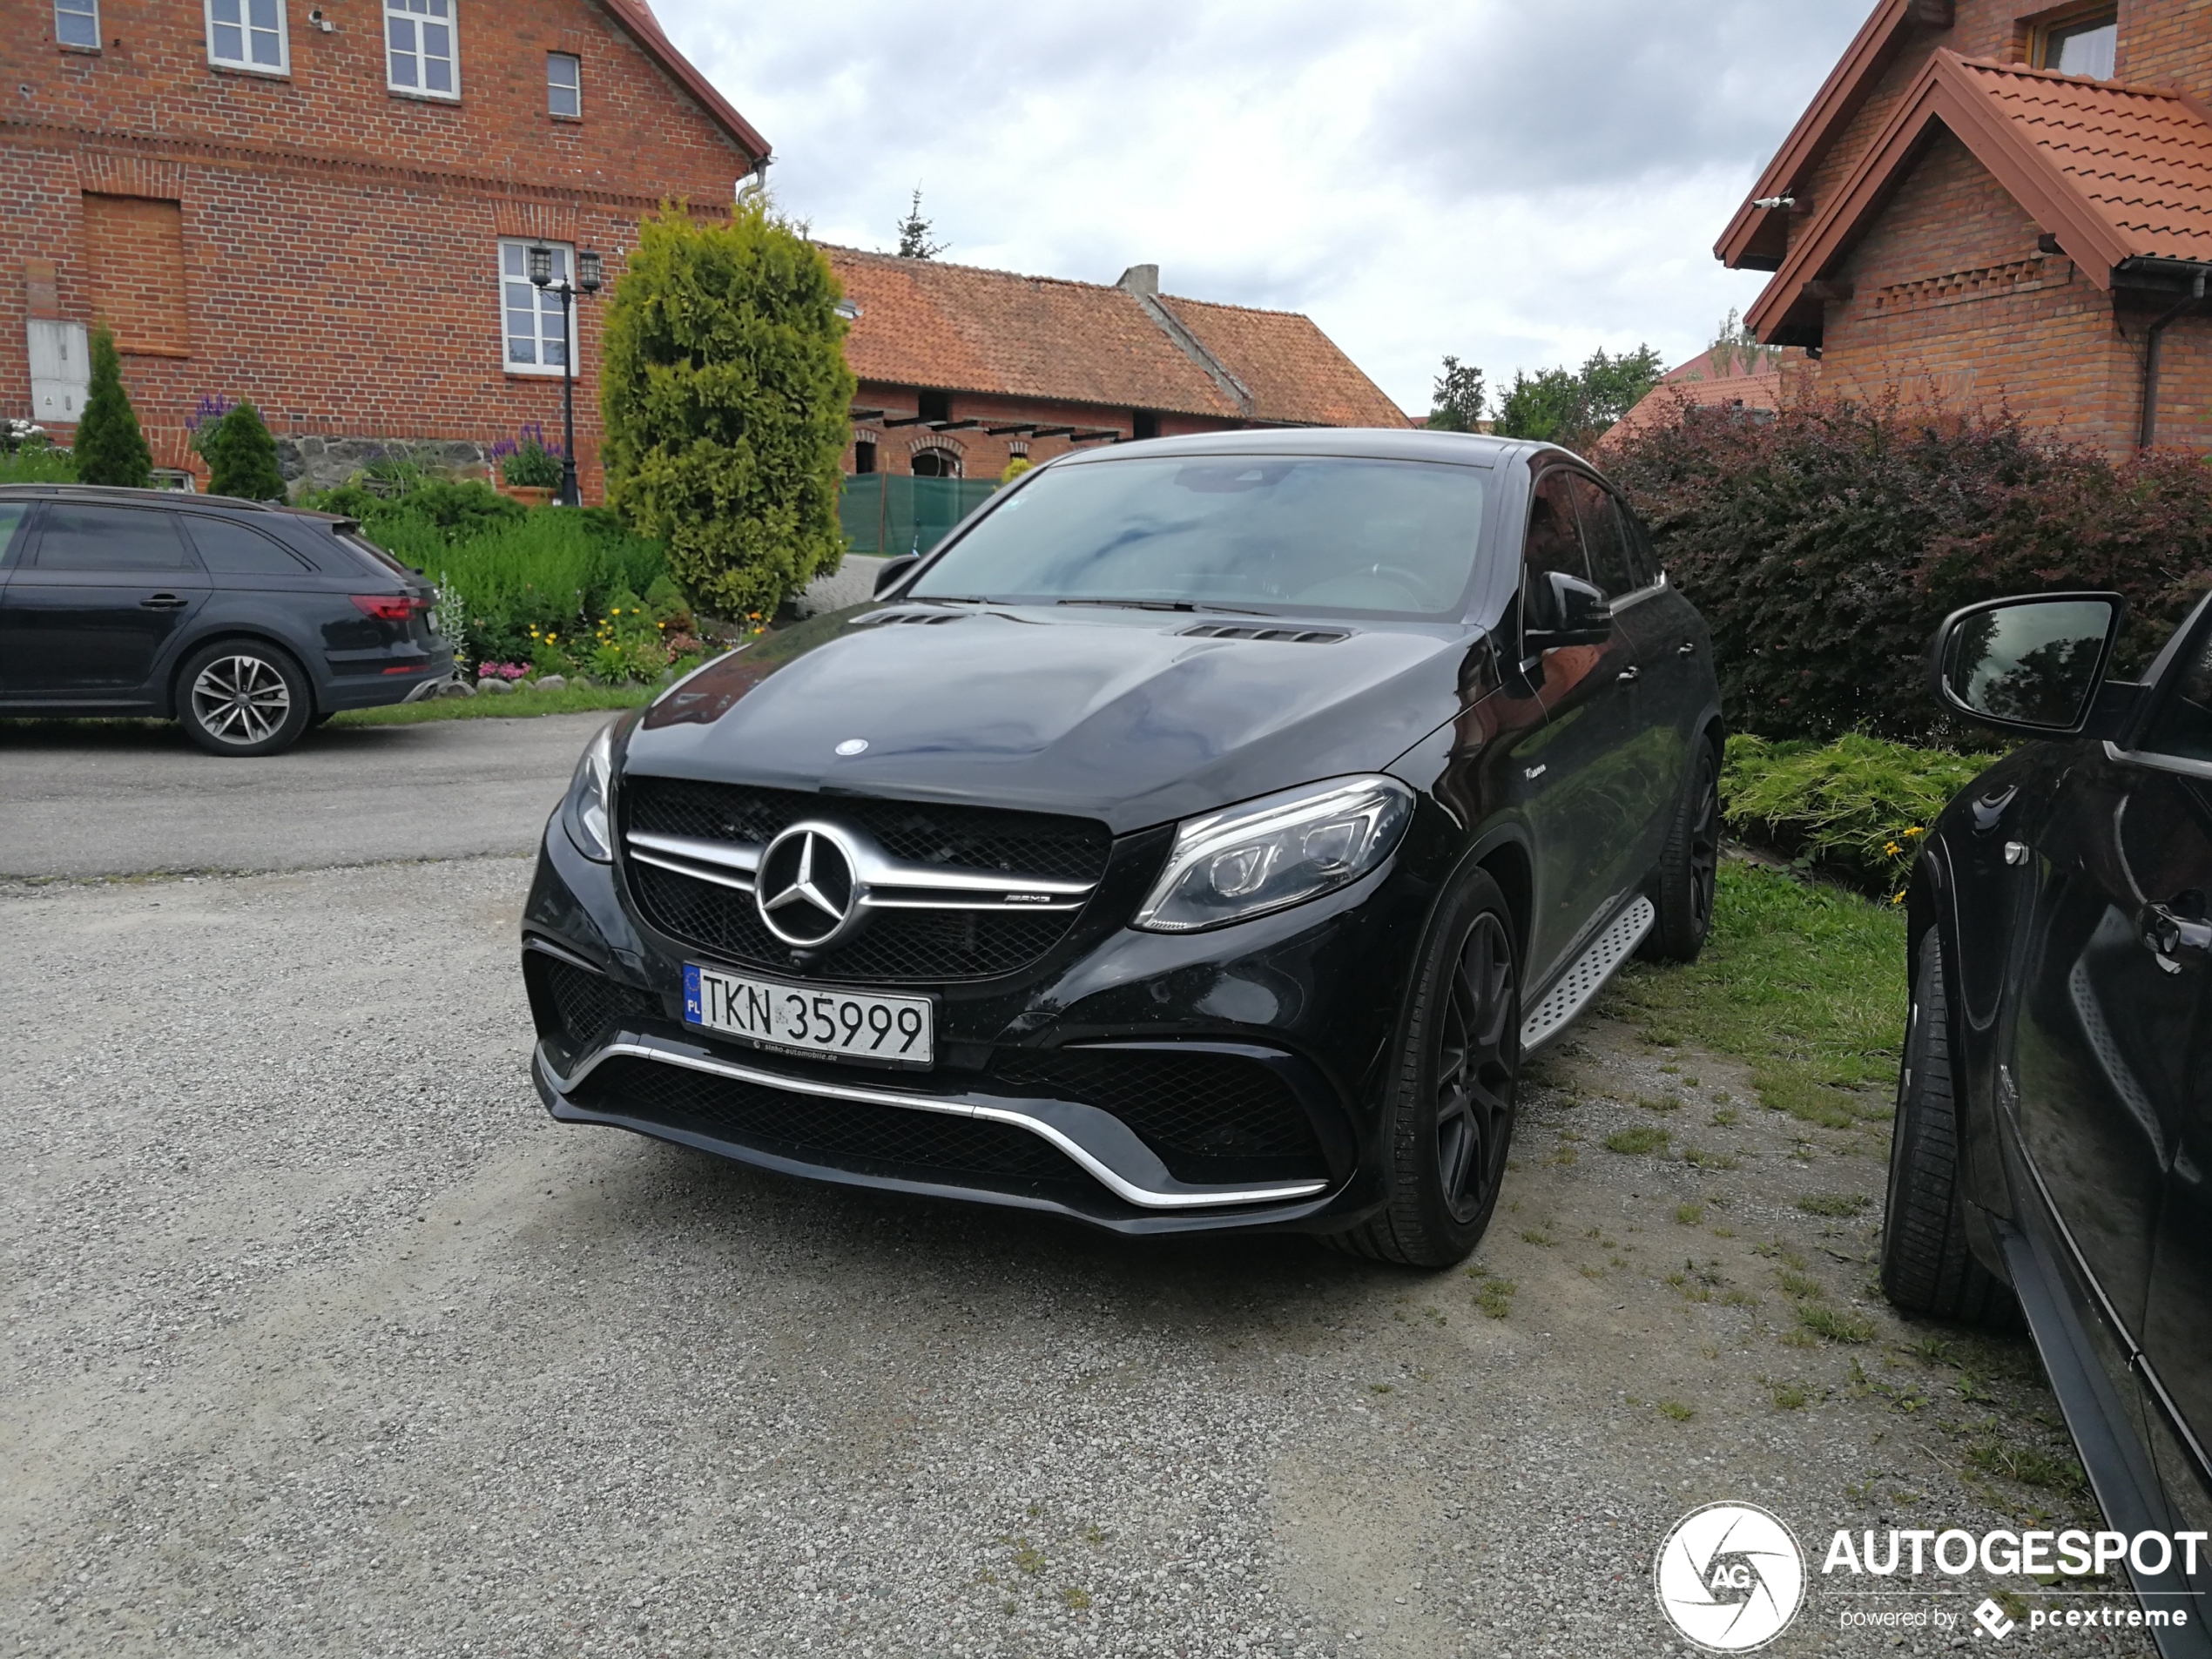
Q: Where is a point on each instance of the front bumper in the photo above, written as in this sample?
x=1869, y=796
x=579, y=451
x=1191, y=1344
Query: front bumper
x=1302, y=1004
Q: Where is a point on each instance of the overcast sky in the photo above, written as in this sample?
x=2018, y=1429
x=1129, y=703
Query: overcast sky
x=1515, y=182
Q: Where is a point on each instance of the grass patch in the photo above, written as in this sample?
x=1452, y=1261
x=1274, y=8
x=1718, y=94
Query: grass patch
x=1494, y=1295
x=1858, y=806
x=1675, y=1410
x=1804, y=983
x=2029, y=1465
x=1799, y=1288
x=1832, y=1326
x=1643, y=1137
x=574, y=699
x=1698, y=1158
x=1690, y=1214
x=1838, y=1205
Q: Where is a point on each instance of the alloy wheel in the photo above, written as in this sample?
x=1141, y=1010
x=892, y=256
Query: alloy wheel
x=1474, y=1070
x=241, y=700
x=1705, y=850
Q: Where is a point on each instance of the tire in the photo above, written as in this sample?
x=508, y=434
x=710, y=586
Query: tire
x=243, y=698
x=1927, y=1265
x=1681, y=888
x=1448, y=1108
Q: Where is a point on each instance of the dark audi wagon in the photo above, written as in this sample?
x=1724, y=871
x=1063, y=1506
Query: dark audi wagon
x=244, y=622
x=1199, y=837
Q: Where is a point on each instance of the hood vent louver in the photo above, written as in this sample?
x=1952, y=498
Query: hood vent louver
x=883, y=618
x=1248, y=630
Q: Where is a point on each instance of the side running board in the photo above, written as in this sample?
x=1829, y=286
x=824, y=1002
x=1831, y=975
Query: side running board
x=1587, y=977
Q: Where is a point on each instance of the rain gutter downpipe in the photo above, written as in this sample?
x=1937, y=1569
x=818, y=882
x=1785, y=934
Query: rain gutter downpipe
x=2153, y=337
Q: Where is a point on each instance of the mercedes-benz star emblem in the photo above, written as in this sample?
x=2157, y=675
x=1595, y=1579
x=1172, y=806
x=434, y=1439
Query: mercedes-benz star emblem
x=805, y=888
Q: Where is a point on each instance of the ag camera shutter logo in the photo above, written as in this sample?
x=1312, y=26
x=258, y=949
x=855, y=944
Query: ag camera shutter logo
x=1729, y=1578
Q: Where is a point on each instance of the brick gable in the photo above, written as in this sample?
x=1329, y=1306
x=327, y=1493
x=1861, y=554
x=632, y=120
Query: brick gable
x=334, y=244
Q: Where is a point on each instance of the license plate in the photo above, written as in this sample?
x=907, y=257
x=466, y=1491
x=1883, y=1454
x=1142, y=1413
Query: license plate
x=849, y=1025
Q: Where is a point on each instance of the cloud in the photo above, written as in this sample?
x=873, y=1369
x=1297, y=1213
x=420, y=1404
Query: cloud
x=1513, y=184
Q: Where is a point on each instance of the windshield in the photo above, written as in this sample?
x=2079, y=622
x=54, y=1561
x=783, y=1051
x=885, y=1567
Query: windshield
x=1262, y=533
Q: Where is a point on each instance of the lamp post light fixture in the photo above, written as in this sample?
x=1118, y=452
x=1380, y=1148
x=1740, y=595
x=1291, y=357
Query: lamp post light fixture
x=588, y=280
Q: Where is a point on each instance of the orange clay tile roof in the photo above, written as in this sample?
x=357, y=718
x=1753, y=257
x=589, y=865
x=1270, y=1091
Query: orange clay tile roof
x=2115, y=172
x=1745, y=381
x=1293, y=371
x=961, y=328
x=2142, y=160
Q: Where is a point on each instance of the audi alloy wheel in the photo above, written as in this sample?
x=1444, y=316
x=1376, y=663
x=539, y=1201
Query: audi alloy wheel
x=241, y=697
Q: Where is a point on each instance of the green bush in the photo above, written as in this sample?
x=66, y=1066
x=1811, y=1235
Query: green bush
x=109, y=448
x=1826, y=544
x=1857, y=808
x=39, y=464
x=726, y=401
x=242, y=456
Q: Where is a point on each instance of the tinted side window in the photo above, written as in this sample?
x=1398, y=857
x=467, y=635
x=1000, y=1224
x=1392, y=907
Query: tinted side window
x=12, y=515
x=2184, y=727
x=1603, y=534
x=1642, y=559
x=1554, y=543
x=228, y=549
x=109, y=538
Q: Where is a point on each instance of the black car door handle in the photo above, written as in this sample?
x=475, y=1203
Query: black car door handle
x=1688, y=648
x=2177, y=942
x=163, y=601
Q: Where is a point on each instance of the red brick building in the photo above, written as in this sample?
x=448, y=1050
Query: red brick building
x=323, y=206
x=1992, y=202
x=961, y=370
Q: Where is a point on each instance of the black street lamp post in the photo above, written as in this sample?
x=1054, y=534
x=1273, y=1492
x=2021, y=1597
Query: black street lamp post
x=587, y=281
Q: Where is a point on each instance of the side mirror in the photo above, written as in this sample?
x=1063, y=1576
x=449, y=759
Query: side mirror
x=2032, y=665
x=894, y=570
x=1561, y=609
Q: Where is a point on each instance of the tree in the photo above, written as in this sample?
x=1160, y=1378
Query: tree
x=1736, y=349
x=914, y=234
x=1573, y=408
x=110, y=448
x=726, y=402
x=242, y=456
x=1457, y=403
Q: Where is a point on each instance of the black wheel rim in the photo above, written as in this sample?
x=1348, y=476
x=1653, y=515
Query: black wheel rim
x=1705, y=849
x=1477, y=1049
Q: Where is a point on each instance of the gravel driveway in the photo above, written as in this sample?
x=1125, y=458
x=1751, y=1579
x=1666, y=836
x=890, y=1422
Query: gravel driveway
x=323, y=1338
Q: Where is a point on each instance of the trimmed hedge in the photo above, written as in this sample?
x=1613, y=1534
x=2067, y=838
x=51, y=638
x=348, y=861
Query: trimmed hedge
x=1823, y=546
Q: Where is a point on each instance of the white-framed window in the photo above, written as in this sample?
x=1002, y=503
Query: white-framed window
x=421, y=49
x=248, y=34
x=530, y=317
x=564, y=84
x=77, y=23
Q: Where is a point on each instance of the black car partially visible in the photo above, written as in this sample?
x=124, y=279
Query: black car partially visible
x=244, y=622
x=1199, y=838
x=2053, y=1156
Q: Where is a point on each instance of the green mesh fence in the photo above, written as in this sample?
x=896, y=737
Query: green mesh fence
x=886, y=513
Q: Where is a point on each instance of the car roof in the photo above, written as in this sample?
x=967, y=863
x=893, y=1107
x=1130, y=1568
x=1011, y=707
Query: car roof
x=1382, y=443
x=144, y=497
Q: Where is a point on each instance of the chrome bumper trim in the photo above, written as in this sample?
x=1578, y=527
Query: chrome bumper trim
x=1149, y=1189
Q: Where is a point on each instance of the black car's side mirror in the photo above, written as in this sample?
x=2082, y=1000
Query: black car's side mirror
x=1562, y=609
x=894, y=571
x=2032, y=665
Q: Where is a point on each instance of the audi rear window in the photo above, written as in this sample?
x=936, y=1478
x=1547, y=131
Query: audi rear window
x=349, y=535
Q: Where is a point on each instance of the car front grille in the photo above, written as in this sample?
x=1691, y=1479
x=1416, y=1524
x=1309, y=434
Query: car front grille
x=1211, y=1117
x=588, y=1003
x=844, y=1133
x=896, y=945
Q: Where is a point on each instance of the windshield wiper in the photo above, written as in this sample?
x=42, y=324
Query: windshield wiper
x=1163, y=605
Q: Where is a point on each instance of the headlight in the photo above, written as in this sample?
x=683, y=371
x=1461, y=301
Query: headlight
x=1279, y=850
x=583, y=814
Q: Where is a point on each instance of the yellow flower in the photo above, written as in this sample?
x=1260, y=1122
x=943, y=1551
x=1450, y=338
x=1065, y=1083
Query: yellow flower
x=1892, y=849
x=1897, y=898
x=1915, y=830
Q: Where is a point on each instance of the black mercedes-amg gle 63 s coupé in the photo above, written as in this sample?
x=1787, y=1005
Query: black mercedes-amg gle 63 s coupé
x=1200, y=837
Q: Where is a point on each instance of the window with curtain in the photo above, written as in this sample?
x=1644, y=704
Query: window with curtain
x=248, y=34
x=77, y=23
x=531, y=316
x=564, y=84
